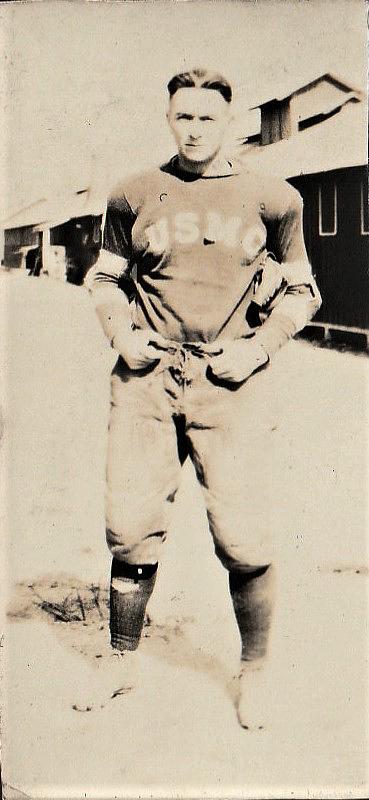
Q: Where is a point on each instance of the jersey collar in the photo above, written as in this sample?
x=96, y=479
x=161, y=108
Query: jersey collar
x=221, y=167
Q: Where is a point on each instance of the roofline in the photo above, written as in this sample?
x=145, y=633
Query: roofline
x=14, y=220
x=334, y=79
x=350, y=97
x=358, y=165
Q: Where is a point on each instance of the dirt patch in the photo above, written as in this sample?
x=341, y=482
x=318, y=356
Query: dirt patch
x=79, y=612
x=59, y=599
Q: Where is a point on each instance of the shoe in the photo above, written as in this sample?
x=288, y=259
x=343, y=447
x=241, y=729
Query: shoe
x=117, y=673
x=251, y=702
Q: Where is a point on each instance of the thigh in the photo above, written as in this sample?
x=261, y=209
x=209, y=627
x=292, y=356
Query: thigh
x=142, y=460
x=236, y=459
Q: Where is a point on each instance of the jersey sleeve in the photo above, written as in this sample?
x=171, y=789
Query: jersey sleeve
x=301, y=299
x=113, y=269
x=288, y=232
x=109, y=282
x=117, y=238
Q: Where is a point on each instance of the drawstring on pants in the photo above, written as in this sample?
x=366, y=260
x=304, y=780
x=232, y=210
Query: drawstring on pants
x=181, y=367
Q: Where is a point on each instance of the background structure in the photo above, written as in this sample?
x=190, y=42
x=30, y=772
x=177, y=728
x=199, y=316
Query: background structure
x=84, y=104
x=87, y=79
x=85, y=100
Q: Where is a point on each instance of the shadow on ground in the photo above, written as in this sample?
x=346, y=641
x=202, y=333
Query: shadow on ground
x=80, y=615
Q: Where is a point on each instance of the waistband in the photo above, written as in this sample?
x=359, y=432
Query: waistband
x=186, y=361
x=198, y=349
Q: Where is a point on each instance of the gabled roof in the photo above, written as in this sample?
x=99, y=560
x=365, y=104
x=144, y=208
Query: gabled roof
x=55, y=210
x=335, y=143
x=288, y=91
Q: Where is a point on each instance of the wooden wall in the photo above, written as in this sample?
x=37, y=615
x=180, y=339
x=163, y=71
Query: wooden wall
x=340, y=258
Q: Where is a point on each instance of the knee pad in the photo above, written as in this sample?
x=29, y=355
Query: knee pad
x=140, y=547
x=133, y=572
x=243, y=575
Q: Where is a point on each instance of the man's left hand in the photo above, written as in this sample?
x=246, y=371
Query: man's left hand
x=237, y=359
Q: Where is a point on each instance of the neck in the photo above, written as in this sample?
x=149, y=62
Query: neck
x=217, y=165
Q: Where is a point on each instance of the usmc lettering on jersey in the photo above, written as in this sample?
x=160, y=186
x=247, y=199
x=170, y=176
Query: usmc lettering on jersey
x=189, y=228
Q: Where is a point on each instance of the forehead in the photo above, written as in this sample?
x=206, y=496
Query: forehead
x=198, y=101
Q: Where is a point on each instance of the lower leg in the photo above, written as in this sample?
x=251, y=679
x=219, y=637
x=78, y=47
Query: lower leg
x=130, y=590
x=118, y=669
x=252, y=594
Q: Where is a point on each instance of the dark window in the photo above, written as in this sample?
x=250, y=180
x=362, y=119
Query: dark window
x=327, y=209
x=364, y=209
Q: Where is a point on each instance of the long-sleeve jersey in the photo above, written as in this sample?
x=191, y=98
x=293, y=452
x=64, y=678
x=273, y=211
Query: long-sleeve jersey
x=187, y=248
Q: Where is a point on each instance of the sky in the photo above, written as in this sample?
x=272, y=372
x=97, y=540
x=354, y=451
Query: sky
x=85, y=82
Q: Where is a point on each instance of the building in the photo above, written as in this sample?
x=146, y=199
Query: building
x=316, y=136
x=59, y=237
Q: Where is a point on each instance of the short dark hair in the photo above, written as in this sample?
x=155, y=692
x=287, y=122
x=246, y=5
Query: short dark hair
x=201, y=79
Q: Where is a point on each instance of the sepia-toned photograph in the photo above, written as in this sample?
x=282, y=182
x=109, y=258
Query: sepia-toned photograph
x=184, y=399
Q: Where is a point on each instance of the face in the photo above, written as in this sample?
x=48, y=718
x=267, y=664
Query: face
x=198, y=119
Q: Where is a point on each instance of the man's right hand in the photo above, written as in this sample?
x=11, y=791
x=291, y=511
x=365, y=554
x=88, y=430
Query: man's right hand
x=140, y=347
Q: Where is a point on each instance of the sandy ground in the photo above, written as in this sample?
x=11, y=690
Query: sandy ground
x=177, y=734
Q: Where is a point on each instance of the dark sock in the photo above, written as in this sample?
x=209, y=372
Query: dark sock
x=252, y=598
x=130, y=590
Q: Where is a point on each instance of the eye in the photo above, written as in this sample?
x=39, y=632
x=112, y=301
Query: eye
x=207, y=119
x=184, y=116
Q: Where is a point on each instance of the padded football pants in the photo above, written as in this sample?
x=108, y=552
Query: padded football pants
x=174, y=408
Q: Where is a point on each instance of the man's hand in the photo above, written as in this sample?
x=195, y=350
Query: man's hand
x=140, y=347
x=237, y=360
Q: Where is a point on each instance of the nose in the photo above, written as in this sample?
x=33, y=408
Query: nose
x=195, y=131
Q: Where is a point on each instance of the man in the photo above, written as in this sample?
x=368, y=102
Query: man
x=183, y=269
